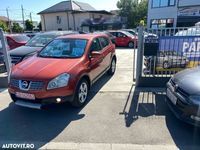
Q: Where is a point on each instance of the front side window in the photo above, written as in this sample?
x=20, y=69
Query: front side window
x=95, y=45
x=64, y=48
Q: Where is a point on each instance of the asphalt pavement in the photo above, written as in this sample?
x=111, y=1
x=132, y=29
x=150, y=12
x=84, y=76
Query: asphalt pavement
x=118, y=116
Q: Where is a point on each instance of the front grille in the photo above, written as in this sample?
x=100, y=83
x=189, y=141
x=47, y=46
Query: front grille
x=182, y=92
x=15, y=59
x=34, y=85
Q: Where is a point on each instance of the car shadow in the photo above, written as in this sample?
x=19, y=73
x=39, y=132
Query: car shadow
x=124, y=48
x=23, y=125
x=146, y=102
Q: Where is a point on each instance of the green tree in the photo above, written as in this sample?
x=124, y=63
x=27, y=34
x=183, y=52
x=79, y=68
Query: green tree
x=29, y=25
x=40, y=26
x=4, y=26
x=134, y=11
x=16, y=28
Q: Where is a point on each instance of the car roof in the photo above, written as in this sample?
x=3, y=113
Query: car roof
x=12, y=35
x=83, y=36
x=58, y=33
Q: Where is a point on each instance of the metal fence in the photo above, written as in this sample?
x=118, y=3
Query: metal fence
x=164, y=52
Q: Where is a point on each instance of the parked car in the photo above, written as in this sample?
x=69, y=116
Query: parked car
x=124, y=38
x=2, y=55
x=183, y=95
x=194, y=31
x=16, y=40
x=62, y=71
x=112, y=38
x=146, y=34
x=167, y=60
x=35, y=44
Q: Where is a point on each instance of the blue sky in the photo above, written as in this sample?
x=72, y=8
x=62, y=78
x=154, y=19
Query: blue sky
x=36, y=6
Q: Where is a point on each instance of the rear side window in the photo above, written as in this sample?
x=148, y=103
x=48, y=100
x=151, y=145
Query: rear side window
x=114, y=34
x=121, y=34
x=95, y=45
x=104, y=41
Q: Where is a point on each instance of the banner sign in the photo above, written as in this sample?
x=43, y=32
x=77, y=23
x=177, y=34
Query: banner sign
x=189, y=11
x=178, y=52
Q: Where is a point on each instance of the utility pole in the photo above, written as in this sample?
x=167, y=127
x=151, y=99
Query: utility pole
x=23, y=16
x=9, y=22
x=31, y=17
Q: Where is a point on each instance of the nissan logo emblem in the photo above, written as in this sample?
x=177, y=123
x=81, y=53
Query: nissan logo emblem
x=25, y=84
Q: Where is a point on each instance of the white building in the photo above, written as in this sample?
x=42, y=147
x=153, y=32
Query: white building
x=72, y=15
x=173, y=13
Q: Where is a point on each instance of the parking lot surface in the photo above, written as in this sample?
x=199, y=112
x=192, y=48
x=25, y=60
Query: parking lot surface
x=116, y=113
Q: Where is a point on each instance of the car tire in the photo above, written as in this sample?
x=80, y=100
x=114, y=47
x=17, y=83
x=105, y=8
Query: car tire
x=112, y=68
x=81, y=94
x=166, y=65
x=131, y=45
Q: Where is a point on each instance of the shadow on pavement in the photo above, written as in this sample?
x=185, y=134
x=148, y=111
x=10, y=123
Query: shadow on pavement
x=23, y=125
x=151, y=102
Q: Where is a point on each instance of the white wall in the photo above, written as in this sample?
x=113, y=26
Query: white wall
x=49, y=21
x=161, y=13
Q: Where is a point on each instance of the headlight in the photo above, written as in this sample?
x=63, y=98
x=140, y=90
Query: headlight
x=58, y=82
x=195, y=99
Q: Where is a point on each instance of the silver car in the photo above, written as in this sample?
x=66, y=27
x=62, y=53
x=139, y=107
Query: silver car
x=171, y=59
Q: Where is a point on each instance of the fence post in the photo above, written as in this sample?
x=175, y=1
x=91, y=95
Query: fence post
x=140, y=53
x=5, y=53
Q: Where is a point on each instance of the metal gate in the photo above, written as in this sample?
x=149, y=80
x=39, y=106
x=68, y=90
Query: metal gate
x=164, y=52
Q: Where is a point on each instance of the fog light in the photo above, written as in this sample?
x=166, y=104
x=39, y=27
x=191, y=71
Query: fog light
x=195, y=118
x=58, y=100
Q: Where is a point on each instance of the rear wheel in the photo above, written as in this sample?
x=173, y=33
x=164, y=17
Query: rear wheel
x=81, y=94
x=166, y=65
x=112, y=69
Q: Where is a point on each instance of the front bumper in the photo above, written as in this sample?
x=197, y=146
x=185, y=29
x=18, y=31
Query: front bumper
x=184, y=111
x=40, y=103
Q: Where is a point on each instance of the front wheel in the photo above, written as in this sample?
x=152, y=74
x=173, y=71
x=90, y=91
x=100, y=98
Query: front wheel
x=131, y=45
x=81, y=94
x=112, y=69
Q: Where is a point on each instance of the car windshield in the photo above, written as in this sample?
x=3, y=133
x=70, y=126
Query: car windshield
x=21, y=38
x=40, y=40
x=132, y=32
x=64, y=48
x=128, y=34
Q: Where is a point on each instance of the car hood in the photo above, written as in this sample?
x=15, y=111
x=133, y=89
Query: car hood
x=189, y=80
x=42, y=68
x=24, y=50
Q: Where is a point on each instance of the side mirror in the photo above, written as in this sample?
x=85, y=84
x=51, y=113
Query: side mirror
x=94, y=54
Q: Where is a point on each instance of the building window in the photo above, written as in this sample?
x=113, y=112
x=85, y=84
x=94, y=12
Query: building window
x=162, y=23
x=58, y=19
x=163, y=3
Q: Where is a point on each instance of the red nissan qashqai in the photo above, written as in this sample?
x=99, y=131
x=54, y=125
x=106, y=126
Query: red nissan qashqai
x=62, y=71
